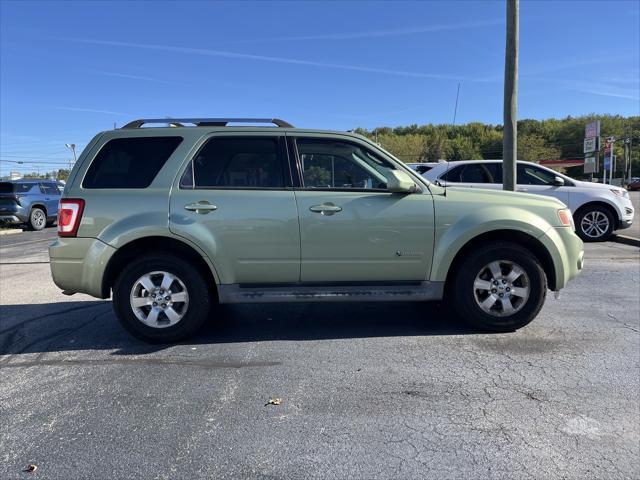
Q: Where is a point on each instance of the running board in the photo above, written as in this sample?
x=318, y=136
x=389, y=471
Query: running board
x=400, y=292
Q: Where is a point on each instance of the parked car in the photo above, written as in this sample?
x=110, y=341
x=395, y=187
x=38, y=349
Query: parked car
x=422, y=167
x=32, y=202
x=597, y=209
x=170, y=221
x=634, y=184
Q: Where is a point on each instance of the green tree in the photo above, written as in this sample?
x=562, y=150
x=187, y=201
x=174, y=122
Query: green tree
x=63, y=174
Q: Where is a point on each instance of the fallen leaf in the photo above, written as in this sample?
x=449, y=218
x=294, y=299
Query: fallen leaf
x=32, y=467
x=273, y=401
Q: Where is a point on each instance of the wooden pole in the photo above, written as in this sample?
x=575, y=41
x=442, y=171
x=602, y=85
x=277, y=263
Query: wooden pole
x=510, y=133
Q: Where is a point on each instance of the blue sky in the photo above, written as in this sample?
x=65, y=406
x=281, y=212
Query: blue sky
x=71, y=69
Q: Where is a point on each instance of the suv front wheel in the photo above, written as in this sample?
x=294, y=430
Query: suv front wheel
x=499, y=288
x=161, y=299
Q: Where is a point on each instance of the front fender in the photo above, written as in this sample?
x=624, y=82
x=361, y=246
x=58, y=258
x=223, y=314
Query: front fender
x=455, y=233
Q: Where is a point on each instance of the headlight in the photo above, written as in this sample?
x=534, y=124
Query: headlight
x=619, y=192
x=566, y=220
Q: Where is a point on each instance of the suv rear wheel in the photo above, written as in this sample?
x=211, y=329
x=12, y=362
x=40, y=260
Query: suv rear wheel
x=161, y=299
x=500, y=288
x=594, y=223
x=37, y=219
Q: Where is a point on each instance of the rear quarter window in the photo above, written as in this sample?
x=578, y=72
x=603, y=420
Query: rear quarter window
x=129, y=162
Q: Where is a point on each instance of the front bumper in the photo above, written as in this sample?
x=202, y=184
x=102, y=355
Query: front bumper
x=567, y=253
x=78, y=264
x=626, y=213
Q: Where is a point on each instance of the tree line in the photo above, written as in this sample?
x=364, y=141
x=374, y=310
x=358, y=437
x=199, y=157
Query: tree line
x=549, y=139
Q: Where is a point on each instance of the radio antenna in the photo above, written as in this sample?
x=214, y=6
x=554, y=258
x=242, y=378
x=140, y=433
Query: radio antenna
x=455, y=110
x=453, y=125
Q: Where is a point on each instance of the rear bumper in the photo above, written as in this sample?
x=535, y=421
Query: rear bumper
x=13, y=214
x=10, y=219
x=78, y=264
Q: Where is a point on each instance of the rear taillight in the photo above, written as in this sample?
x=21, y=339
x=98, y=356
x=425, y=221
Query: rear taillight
x=69, y=216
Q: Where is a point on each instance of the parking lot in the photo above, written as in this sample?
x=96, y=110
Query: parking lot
x=367, y=390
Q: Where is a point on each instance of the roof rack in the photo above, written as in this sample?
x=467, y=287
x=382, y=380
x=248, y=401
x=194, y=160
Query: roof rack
x=205, y=122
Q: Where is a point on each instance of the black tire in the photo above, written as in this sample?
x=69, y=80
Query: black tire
x=583, y=225
x=463, y=298
x=37, y=219
x=199, y=298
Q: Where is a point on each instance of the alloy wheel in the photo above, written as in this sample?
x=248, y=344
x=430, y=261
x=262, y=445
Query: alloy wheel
x=594, y=224
x=501, y=288
x=38, y=219
x=159, y=299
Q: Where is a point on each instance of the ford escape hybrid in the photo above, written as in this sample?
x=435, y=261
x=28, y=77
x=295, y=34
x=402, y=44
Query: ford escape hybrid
x=174, y=218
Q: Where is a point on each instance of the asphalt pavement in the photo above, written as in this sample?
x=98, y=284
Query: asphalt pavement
x=367, y=390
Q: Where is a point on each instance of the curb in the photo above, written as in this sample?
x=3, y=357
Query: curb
x=13, y=231
x=634, y=242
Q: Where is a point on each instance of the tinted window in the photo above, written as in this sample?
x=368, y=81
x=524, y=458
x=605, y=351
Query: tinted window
x=453, y=175
x=238, y=162
x=130, y=162
x=495, y=171
x=8, y=187
x=423, y=169
x=49, y=189
x=475, y=173
x=530, y=175
x=336, y=164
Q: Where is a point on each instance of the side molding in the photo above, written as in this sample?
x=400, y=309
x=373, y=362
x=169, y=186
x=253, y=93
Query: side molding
x=413, y=292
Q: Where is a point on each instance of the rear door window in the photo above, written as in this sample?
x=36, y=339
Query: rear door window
x=475, y=173
x=49, y=189
x=237, y=162
x=130, y=162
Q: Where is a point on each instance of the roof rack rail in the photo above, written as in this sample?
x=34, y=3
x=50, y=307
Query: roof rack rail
x=205, y=122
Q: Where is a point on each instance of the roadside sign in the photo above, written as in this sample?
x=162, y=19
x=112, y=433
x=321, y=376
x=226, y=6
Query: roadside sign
x=592, y=129
x=590, y=144
x=590, y=165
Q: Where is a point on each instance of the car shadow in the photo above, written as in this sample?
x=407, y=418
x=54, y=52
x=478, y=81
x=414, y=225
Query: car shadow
x=92, y=325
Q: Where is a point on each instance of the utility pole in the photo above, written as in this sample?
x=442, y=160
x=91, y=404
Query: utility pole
x=626, y=175
x=510, y=131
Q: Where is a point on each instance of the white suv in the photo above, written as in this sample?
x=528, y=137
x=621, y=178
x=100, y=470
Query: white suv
x=597, y=209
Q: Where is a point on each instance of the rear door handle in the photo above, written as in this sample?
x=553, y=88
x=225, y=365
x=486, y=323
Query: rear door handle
x=326, y=209
x=201, y=207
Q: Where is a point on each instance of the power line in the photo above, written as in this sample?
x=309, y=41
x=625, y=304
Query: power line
x=34, y=162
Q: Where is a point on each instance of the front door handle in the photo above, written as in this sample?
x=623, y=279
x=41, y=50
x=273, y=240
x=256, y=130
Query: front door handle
x=326, y=209
x=201, y=207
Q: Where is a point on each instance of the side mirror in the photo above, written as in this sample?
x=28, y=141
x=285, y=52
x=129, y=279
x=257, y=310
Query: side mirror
x=558, y=181
x=399, y=182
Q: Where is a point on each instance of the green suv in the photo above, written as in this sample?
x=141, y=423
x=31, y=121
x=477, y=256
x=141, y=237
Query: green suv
x=173, y=219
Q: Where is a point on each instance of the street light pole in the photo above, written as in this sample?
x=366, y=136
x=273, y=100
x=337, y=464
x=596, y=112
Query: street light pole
x=72, y=146
x=510, y=131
